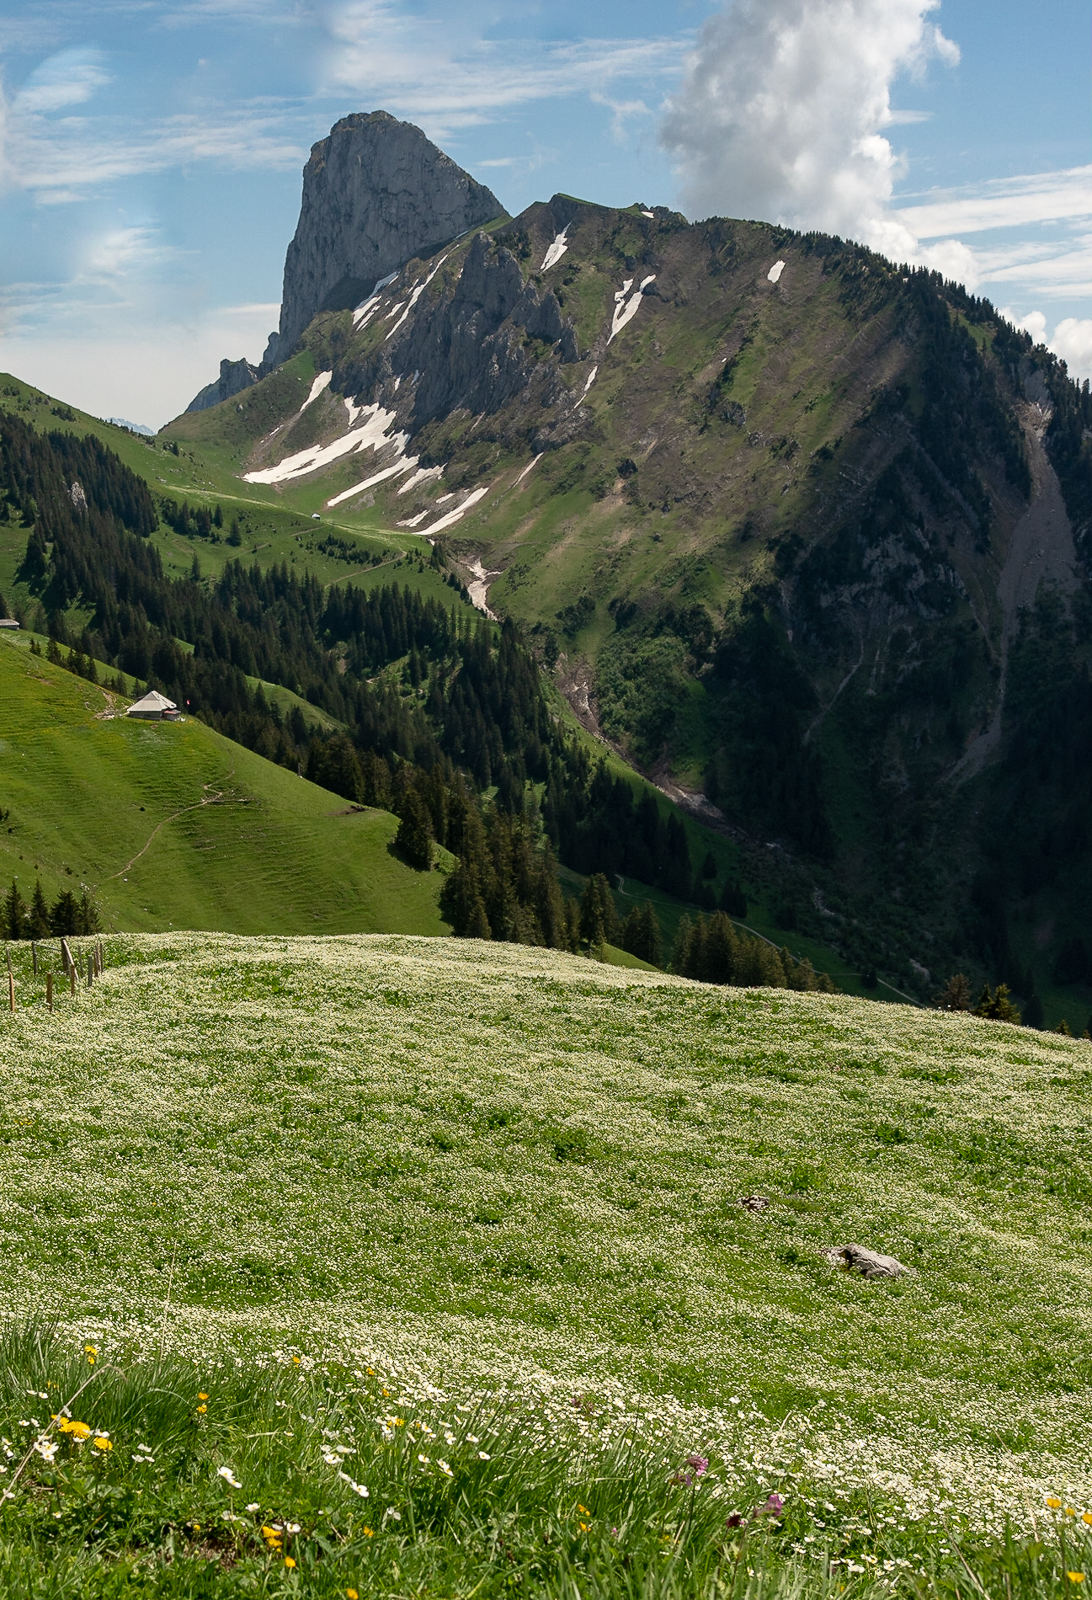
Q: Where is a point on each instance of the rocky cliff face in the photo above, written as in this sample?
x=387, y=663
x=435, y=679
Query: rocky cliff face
x=235, y=376
x=376, y=193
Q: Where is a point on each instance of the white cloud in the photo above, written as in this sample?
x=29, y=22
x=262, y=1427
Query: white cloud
x=1003, y=203
x=65, y=79
x=66, y=160
x=124, y=250
x=1073, y=342
x=621, y=111
x=782, y=111
x=1071, y=339
x=445, y=79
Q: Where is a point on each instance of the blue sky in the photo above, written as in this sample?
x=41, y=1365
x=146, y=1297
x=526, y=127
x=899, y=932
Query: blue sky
x=150, y=150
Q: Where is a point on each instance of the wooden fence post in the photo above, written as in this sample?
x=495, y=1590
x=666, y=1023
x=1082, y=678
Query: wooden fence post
x=34, y=955
x=90, y=970
x=66, y=957
x=49, y=989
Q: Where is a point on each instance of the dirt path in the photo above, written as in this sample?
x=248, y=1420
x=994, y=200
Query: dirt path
x=1042, y=550
x=216, y=799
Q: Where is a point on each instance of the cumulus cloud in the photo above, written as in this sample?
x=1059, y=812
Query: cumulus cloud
x=782, y=111
x=1071, y=339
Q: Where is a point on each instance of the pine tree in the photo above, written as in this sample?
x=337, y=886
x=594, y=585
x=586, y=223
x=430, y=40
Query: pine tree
x=955, y=995
x=64, y=914
x=414, y=837
x=38, y=924
x=15, y=913
x=996, y=1005
x=598, y=918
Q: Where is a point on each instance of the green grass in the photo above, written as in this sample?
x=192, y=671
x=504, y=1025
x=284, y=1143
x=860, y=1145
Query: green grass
x=494, y=1192
x=174, y=825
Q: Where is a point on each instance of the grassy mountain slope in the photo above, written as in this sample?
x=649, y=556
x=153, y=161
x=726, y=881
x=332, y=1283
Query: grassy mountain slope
x=498, y=1166
x=161, y=547
x=174, y=825
x=803, y=543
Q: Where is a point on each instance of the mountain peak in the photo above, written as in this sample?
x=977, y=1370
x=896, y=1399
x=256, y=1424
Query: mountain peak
x=376, y=193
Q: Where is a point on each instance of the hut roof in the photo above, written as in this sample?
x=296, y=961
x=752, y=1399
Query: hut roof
x=152, y=701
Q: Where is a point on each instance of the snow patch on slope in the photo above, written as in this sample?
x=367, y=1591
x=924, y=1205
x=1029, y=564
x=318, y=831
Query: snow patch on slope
x=625, y=310
x=556, y=250
x=534, y=461
x=372, y=436
x=775, y=271
x=367, y=308
x=414, y=297
x=591, y=379
x=422, y=475
x=321, y=382
x=451, y=517
x=369, y=483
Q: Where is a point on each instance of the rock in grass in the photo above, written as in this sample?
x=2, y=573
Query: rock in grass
x=869, y=1263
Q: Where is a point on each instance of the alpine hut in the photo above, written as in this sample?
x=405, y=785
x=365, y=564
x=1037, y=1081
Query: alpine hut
x=155, y=706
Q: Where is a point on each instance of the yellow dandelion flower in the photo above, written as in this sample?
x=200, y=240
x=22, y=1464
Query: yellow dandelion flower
x=1086, y=1516
x=289, y=1562
x=584, y=1512
x=101, y=1442
x=295, y=1361
x=1075, y=1577
x=583, y=1527
x=1053, y=1502
x=270, y=1533
x=1071, y=1511
x=351, y=1594
x=202, y=1409
x=201, y=1395
x=78, y=1430
x=368, y=1533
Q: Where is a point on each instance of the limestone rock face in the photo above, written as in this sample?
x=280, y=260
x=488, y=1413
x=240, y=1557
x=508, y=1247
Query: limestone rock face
x=376, y=193
x=235, y=376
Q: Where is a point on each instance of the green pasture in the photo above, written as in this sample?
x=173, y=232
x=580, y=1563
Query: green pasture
x=172, y=825
x=429, y=1258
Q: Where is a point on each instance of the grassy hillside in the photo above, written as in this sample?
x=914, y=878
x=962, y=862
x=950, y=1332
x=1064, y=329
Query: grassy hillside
x=807, y=543
x=496, y=1192
x=171, y=825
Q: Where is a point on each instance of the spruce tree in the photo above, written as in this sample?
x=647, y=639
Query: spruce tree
x=38, y=924
x=414, y=837
x=996, y=1005
x=955, y=995
x=15, y=913
x=598, y=918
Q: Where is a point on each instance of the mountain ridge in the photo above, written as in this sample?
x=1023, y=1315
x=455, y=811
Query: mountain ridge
x=758, y=498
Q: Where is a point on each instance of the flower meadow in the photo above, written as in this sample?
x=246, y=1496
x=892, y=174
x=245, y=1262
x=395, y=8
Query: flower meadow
x=409, y=1264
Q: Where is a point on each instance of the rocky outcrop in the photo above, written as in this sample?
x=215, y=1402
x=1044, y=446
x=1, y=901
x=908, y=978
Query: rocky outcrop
x=470, y=348
x=376, y=193
x=235, y=376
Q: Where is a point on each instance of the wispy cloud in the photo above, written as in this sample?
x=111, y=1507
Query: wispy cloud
x=409, y=65
x=66, y=79
x=1002, y=203
x=64, y=160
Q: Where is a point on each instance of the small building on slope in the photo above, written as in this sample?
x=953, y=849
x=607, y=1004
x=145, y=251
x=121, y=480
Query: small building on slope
x=155, y=707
